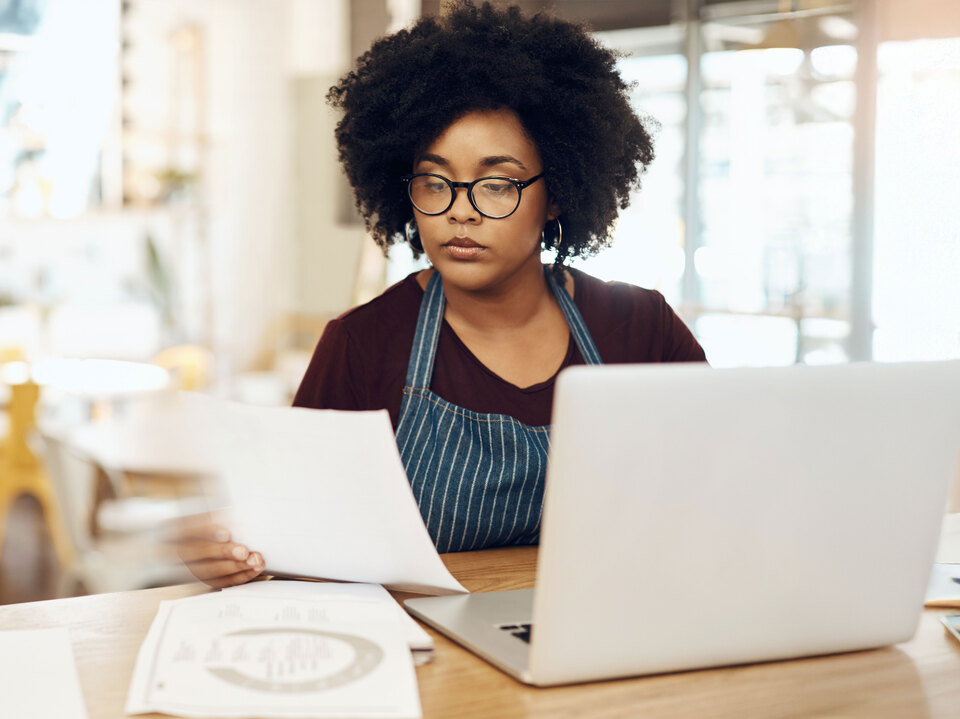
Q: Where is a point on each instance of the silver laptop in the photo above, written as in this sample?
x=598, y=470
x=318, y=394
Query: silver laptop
x=697, y=518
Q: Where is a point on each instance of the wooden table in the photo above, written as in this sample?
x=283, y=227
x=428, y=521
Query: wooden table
x=920, y=678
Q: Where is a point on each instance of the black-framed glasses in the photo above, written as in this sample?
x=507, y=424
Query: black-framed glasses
x=493, y=197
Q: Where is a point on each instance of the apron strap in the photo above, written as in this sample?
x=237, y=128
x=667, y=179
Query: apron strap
x=430, y=319
x=578, y=328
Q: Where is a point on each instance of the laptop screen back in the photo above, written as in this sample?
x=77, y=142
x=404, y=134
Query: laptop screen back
x=697, y=517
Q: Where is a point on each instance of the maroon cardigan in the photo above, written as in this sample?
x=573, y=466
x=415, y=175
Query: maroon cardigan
x=361, y=359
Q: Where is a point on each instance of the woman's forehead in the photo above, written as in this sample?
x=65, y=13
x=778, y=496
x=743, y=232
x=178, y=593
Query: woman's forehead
x=483, y=139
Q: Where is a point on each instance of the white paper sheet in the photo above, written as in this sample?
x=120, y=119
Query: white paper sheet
x=948, y=551
x=236, y=654
x=321, y=493
x=38, y=676
x=944, y=587
x=413, y=633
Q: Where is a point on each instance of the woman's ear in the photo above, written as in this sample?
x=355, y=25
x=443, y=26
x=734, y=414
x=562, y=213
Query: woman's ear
x=553, y=210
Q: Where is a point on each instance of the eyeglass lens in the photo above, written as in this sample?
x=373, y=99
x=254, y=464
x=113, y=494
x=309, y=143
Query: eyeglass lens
x=493, y=198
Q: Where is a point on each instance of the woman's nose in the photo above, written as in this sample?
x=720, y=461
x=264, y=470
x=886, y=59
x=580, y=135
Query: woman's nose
x=462, y=210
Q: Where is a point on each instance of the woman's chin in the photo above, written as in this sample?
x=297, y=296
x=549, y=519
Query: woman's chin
x=481, y=274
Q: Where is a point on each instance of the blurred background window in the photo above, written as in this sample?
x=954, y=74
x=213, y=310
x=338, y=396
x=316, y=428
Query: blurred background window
x=916, y=298
x=772, y=266
x=798, y=210
x=800, y=207
x=58, y=91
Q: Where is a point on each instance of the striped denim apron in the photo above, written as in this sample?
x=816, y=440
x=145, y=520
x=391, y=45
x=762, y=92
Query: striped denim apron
x=477, y=478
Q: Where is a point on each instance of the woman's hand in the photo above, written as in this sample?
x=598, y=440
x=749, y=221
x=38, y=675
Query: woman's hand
x=209, y=554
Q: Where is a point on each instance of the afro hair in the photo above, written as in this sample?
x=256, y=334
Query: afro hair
x=562, y=84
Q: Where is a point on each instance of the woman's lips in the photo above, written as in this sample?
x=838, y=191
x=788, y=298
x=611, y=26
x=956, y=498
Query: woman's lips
x=463, y=248
x=463, y=242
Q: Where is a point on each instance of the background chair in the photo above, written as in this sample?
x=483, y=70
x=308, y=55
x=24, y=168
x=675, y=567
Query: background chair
x=131, y=555
x=20, y=471
x=113, y=474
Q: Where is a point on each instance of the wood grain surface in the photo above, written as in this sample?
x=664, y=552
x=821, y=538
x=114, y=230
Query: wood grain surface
x=920, y=678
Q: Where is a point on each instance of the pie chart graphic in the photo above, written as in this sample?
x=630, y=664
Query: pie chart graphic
x=280, y=660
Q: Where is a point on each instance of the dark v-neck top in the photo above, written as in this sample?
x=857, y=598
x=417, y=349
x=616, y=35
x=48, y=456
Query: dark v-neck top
x=361, y=359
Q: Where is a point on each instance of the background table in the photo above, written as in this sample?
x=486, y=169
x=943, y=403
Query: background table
x=920, y=678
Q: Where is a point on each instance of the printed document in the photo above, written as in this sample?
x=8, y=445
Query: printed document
x=241, y=654
x=38, y=676
x=321, y=493
x=413, y=633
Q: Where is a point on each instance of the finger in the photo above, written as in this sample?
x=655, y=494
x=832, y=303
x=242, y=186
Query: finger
x=234, y=579
x=211, y=569
x=197, y=550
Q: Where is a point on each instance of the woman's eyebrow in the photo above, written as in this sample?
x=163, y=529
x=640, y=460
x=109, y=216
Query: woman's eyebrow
x=435, y=159
x=501, y=160
x=489, y=161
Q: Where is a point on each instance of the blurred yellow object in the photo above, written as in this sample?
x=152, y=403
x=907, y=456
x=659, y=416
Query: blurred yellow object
x=11, y=354
x=21, y=473
x=189, y=366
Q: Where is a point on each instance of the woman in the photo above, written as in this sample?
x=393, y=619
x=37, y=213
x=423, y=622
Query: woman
x=480, y=139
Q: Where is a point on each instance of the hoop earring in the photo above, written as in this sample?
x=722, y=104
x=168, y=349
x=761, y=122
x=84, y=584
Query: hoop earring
x=552, y=242
x=561, y=252
x=412, y=233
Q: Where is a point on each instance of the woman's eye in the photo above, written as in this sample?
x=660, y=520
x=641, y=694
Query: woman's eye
x=497, y=188
x=436, y=187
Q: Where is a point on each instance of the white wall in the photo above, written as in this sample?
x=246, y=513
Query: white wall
x=275, y=245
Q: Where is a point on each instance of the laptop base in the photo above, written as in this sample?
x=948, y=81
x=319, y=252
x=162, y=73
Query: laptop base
x=475, y=621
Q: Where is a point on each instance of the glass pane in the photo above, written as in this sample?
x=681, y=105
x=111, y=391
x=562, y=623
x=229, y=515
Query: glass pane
x=916, y=268
x=58, y=89
x=776, y=184
x=733, y=340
